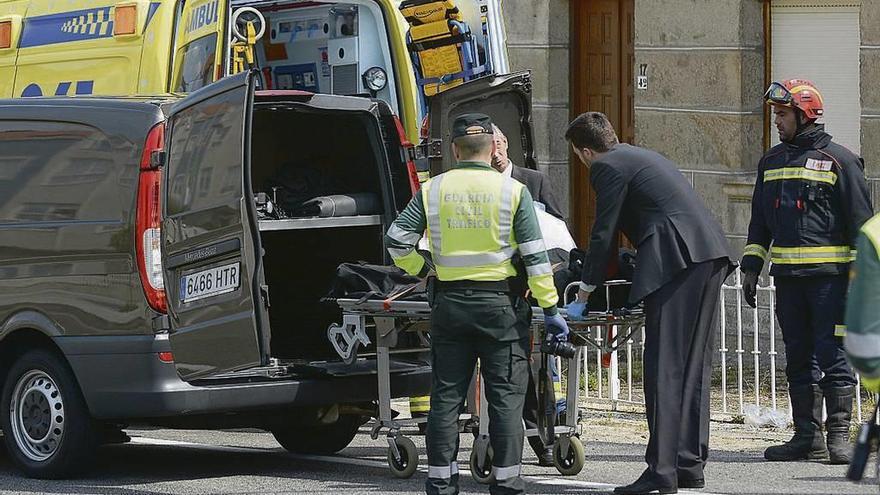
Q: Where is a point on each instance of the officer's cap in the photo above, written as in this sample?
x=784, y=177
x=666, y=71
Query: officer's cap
x=471, y=124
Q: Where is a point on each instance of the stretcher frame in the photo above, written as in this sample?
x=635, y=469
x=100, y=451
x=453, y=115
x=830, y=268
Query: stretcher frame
x=393, y=317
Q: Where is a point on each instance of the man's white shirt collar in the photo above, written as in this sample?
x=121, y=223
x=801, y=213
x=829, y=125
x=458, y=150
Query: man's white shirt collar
x=509, y=170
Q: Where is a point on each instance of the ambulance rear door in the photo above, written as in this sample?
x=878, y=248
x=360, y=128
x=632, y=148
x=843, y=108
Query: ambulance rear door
x=199, y=44
x=507, y=99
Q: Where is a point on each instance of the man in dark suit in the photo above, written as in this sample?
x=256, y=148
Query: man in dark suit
x=682, y=259
x=537, y=182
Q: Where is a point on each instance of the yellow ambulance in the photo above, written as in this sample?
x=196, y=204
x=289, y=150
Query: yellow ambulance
x=151, y=47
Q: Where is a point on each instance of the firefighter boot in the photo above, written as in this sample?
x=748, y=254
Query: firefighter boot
x=808, y=442
x=838, y=403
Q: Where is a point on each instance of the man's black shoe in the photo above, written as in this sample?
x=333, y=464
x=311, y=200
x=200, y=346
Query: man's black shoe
x=545, y=459
x=644, y=486
x=691, y=483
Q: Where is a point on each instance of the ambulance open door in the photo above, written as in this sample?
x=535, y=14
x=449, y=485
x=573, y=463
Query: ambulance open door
x=199, y=44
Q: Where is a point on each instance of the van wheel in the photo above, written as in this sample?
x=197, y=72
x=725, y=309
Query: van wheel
x=319, y=439
x=47, y=427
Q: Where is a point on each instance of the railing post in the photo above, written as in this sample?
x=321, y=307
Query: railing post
x=723, y=351
x=772, y=353
x=629, y=367
x=756, y=353
x=739, y=343
x=613, y=372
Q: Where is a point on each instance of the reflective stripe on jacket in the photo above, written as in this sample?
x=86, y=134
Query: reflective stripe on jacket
x=810, y=200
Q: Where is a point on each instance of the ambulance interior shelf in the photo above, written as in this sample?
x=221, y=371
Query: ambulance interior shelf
x=315, y=169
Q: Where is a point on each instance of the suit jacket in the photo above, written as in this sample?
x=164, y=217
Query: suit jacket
x=645, y=195
x=538, y=184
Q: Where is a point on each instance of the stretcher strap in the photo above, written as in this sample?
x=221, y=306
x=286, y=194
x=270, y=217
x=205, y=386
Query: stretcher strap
x=420, y=46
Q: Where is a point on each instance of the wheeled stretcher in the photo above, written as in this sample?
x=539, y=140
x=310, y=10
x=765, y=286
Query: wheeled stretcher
x=390, y=319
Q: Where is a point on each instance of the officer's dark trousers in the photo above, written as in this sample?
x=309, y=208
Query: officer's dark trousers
x=467, y=325
x=808, y=309
x=679, y=322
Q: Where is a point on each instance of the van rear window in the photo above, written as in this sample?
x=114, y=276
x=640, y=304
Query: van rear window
x=197, y=66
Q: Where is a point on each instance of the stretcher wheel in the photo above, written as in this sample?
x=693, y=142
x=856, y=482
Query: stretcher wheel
x=409, y=458
x=574, y=461
x=482, y=473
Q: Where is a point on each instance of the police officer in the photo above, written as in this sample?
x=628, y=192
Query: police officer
x=476, y=220
x=810, y=199
x=862, y=341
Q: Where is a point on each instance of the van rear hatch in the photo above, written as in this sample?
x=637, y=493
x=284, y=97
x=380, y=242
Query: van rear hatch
x=265, y=195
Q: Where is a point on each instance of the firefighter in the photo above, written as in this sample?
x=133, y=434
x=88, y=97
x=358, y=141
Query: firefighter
x=476, y=220
x=810, y=199
x=862, y=341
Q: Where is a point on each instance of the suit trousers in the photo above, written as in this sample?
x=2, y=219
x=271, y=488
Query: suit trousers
x=493, y=327
x=679, y=320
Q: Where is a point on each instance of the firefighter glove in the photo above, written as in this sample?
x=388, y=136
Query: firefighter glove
x=750, y=287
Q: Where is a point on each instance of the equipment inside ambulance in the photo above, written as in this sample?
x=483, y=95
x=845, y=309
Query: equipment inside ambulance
x=152, y=47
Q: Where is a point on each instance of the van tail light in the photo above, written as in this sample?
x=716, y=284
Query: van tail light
x=166, y=357
x=149, y=220
x=5, y=34
x=125, y=20
x=408, y=151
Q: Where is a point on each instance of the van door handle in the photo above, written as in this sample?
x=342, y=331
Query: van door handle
x=264, y=295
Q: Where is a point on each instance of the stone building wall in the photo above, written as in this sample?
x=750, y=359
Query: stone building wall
x=703, y=107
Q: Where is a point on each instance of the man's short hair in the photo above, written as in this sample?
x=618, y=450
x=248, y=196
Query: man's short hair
x=472, y=146
x=591, y=130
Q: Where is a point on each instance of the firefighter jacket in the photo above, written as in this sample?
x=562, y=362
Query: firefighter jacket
x=862, y=341
x=476, y=219
x=810, y=200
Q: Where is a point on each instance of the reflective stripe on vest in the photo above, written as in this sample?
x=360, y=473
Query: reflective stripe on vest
x=484, y=221
x=804, y=255
x=871, y=229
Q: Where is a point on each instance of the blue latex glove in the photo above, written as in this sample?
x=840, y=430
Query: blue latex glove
x=556, y=326
x=577, y=310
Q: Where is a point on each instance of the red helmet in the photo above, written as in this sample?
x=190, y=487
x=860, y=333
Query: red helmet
x=797, y=93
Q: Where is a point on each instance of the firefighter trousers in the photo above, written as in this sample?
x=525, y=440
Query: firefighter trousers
x=811, y=314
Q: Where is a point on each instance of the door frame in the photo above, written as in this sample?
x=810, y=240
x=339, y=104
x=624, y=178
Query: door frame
x=582, y=203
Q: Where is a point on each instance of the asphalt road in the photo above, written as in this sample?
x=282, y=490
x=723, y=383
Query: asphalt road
x=190, y=462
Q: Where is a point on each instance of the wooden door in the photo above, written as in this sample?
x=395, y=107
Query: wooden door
x=602, y=73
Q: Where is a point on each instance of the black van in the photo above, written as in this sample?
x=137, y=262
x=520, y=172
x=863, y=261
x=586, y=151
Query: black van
x=142, y=283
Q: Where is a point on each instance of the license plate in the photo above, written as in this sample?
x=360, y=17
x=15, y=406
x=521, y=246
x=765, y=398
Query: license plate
x=210, y=282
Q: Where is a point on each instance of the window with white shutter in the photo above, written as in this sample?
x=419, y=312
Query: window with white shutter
x=819, y=40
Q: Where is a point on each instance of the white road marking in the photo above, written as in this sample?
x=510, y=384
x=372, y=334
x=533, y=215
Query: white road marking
x=537, y=480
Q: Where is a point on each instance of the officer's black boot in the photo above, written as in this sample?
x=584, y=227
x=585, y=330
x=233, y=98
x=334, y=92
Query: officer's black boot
x=808, y=442
x=838, y=404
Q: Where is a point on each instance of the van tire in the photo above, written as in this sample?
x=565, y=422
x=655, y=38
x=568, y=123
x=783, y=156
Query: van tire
x=319, y=439
x=40, y=445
